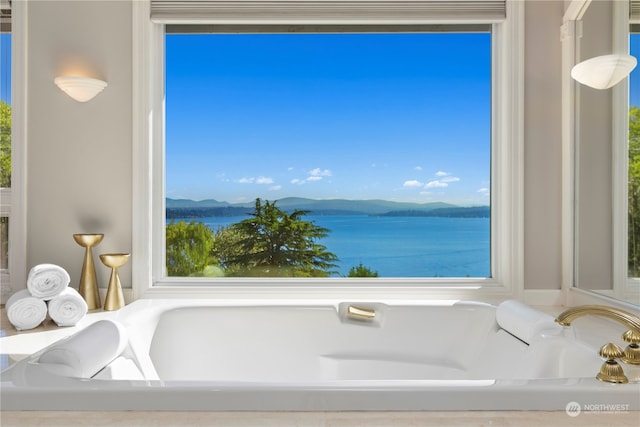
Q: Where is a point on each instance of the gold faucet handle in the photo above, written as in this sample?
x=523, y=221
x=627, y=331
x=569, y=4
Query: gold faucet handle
x=611, y=371
x=631, y=336
x=632, y=352
x=611, y=351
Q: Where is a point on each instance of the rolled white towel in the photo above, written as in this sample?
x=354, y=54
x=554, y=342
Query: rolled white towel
x=523, y=321
x=47, y=280
x=67, y=308
x=85, y=353
x=25, y=311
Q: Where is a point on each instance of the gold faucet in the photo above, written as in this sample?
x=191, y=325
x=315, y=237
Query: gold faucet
x=610, y=371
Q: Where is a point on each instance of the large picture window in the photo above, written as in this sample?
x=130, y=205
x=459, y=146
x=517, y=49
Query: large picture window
x=329, y=155
x=324, y=142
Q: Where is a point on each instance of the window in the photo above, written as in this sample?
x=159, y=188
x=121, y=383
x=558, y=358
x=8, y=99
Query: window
x=630, y=288
x=625, y=154
x=159, y=144
x=5, y=139
x=383, y=138
x=634, y=163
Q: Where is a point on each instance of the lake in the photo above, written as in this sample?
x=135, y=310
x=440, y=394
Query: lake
x=401, y=246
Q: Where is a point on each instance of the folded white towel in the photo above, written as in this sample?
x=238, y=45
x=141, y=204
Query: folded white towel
x=523, y=321
x=25, y=311
x=67, y=308
x=47, y=280
x=88, y=351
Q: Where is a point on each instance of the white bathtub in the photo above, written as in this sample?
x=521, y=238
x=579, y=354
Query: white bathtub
x=203, y=355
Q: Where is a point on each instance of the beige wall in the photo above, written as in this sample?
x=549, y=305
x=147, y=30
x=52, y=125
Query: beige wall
x=594, y=174
x=79, y=155
x=543, y=145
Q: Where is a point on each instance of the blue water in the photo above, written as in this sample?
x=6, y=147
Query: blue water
x=402, y=246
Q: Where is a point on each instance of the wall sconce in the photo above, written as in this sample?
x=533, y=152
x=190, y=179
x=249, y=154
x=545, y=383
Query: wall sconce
x=82, y=89
x=603, y=72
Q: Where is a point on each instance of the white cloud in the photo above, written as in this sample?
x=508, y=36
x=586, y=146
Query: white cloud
x=314, y=175
x=418, y=168
x=443, y=181
x=264, y=180
x=275, y=188
x=450, y=179
x=484, y=191
x=259, y=180
x=320, y=172
x=412, y=183
x=436, y=184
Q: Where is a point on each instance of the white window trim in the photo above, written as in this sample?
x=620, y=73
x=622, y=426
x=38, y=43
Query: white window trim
x=506, y=193
x=624, y=287
x=14, y=199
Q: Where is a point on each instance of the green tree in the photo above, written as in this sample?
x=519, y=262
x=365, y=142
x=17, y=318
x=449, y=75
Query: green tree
x=5, y=145
x=226, y=247
x=188, y=248
x=276, y=243
x=634, y=192
x=361, y=271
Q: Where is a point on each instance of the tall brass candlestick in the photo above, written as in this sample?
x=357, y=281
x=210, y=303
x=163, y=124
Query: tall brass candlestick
x=114, y=299
x=88, y=287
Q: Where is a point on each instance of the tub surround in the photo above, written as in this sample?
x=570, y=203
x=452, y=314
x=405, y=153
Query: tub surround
x=400, y=383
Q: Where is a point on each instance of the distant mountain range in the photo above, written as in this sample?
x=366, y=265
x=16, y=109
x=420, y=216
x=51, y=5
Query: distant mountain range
x=185, y=208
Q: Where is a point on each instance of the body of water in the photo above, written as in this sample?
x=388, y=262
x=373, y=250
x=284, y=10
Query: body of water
x=401, y=246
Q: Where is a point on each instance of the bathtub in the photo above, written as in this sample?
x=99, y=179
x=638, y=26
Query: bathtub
x=206, y=355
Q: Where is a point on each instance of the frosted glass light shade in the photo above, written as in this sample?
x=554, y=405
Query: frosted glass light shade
x=603, y=72
x=82, y=89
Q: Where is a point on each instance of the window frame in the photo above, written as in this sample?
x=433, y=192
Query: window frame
x=625, y=287
x=13, y=203
x=506, y=188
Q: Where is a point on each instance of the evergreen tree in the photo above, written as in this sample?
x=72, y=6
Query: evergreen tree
x=277, y=243
x=361, y=271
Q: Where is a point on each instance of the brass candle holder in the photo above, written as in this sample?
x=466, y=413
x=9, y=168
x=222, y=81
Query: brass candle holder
x=114, y=299
x=88, y=286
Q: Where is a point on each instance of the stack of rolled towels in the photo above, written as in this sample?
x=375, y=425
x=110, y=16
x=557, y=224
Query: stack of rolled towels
x=47, y=291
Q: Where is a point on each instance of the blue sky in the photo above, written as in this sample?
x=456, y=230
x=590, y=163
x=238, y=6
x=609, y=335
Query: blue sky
x=5, y=67
x=634, y=86
x=402, y=117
